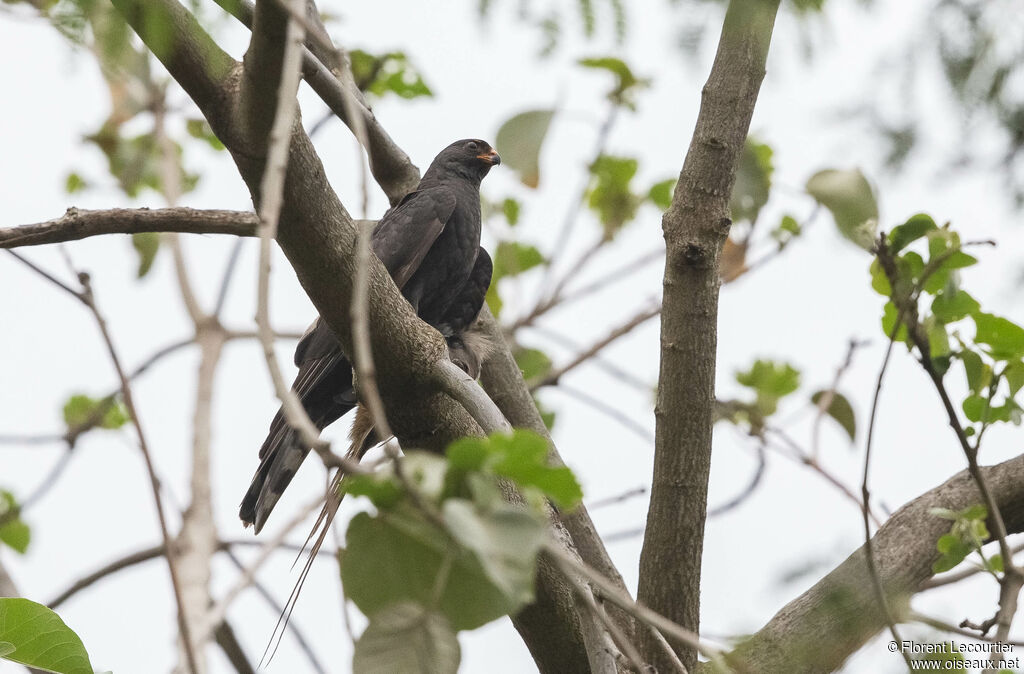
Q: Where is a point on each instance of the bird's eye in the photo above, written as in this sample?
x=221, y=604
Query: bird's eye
x=473, y=147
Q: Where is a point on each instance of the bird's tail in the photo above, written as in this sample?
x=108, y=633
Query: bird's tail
x=280, y=457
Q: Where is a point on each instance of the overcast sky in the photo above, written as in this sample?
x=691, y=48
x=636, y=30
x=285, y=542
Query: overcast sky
x=802, y=307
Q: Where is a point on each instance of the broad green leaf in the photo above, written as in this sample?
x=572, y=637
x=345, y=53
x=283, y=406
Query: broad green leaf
x=13, y=530
x=952, y=307
x=512, y=258
x=1014, y=375
x=519, y=142
x=849, y=197
x=660, y=193
x=610, y=194
x=753, y=181
x=953, y=551
x=382, y=490
x=387, y=73
x=913, y=229
x=974, y=407
x=978, y=373
x=995, y=563
x=879, y=281
x=889, y=316
x=626, y=83
x=1005, y=337
x=80, y=410
x=522, y=456
x=505, y=540
x=840, y=410
x=40, y=638
x=146, y=244
x=771, y=381
x=137, y=162
x=533, y=363
x=397, y=556
x=406, y=637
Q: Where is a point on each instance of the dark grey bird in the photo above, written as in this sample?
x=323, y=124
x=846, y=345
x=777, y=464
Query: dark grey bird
x=430, y=244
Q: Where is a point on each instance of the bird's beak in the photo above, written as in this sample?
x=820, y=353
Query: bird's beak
x=491, y=158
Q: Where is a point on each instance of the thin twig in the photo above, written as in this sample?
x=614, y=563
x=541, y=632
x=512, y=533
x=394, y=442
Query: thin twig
x=573, y=213
x=87, y=297
x=654, y=620
x=609, y=410
x=554, y=375
x=825, y=402
x=225, y=282
x=1013, y=577
x=876, y=581
x=300, y=638
x=620, y=374
x=220, y=609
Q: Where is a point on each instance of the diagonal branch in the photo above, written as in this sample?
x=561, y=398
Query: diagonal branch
x=820, y=629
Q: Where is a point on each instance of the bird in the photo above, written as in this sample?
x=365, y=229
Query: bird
x=429, y=243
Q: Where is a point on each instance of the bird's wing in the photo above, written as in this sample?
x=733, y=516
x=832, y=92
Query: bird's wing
x=405, y=234
x=464, y=309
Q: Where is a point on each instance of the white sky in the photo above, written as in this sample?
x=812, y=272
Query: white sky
x=803, y=308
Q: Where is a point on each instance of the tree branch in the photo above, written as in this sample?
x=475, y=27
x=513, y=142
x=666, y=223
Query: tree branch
x=695, y=228
x=78, y=224
x=820, y=629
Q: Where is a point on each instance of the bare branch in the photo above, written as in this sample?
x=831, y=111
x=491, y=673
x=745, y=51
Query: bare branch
x=695, y=228
x=820, y=629
x=78, y=224
x=639, y=319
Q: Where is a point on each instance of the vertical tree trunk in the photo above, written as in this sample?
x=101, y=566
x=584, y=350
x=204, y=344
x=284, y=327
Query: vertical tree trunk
x=695, y=227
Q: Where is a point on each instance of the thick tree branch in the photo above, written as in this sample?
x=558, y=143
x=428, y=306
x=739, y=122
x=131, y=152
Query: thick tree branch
x=695, y=228
x=78, y=224
x=820, y=629
x=390, y=165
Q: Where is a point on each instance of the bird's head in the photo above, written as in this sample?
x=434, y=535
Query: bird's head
x=470, y=158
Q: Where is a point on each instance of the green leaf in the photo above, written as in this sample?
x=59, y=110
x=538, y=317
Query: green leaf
x=1005, y=337
x=889, y=316
x=505, y=540
x=995, y=563
x=978, y=373
x=398, y=556
x=387, y=73
x=533, y=363
x=512, y=258
x=840, y=410
x=849, y=197
x=974, y=407
x=40, y=638
x=200, y=128
x=81, y=410
x=912, y=230
x=879, y=281
x=406, y=637
x=610, y=195
x=660, y=193
x=510, y=209
x=13, y=532
x=1014, y=375
x=522, y=457
x=787, y=230
x=626, y=83
x=382, y=490
x=74, y=183
x=146, y=244
x=519, y=141
x=771, y=381
x=953, y=551
x=753, y=181
x=952, y=307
